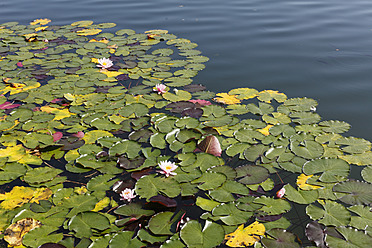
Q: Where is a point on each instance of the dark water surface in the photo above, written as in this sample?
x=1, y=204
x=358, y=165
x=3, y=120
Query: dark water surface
x=321, y=49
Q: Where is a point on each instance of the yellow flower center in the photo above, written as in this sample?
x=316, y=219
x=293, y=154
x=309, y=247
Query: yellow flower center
x=168, y=167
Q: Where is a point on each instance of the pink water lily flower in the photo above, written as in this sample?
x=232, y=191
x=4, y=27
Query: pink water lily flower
x=160, y=88
x=167, y=168
x=104, y=63
x=127, y=194
x=280, y=193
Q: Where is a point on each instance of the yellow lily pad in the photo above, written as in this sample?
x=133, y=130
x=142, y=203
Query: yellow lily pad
x=243, y=237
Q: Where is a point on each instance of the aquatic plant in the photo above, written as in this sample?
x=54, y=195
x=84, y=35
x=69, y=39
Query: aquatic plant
x=82, y=148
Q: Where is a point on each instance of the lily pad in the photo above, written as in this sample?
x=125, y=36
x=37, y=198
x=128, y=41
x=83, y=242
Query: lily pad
x=282, y=239
x=357, y=193
x=331, y=169
x=194, y=236
x=251, y=174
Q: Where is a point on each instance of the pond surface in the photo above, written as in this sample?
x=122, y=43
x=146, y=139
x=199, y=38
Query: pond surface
x=320, y=49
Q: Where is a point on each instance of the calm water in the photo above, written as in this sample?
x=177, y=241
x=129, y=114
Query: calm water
x=317, y=48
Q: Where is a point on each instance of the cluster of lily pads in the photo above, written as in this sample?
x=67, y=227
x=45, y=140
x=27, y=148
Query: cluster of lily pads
x=106, y=141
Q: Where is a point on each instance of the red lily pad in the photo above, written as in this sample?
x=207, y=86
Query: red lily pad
x=9, y=105
x=163, y=200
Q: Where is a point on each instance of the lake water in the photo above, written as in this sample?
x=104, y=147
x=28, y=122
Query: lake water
x=320, y=49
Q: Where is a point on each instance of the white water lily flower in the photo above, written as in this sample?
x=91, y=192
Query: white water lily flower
x=167, y=168
x=160, y=88
x=104, y=63
x=127, y=194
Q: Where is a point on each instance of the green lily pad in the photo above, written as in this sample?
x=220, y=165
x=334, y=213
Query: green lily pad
x=41, y=174
x=300, y=196
x=366, y=174
x=152, y=185
x=273, y=206
x=41, y=235
x=351, y=238
x=332, y=169
x=332, y=214
x=357, y=193
x=83, y=223
x=129, y=147
x=281, y=239
x=308, y=149
x=194, y=236
x=230, y=215
x=125, y=240
x=162, y=223
x=210, y=180
x=251, y=174
x=300, y=104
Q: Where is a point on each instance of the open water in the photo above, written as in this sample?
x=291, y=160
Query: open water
x=320, y=49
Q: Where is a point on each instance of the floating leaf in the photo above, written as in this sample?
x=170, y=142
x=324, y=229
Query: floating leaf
x=82, y=23
x=268, y=95
x=251, y=174
x=86, y=32
x=83, y=223
x=211, y=145
x=301, y=182
x=309, y=149
x=161, y=223
x=352, y=238
x=230, y=215
x=333, y=214
x=282, y=239
x=124, y=240
x=300, y=196
x=128, y=147
x=331, y=169
x=226, y=98
x=366, y=174
x=20, y=195
x=92, y=136
x=244, y=93
x=209, y=180
x=206, y=204
x=334, y=126
x=245, y=236
x=152, y=185
x=364, y=158
x=41, y=235
x=273, y=206
x=315, y=232
x=15, y=232
x=354, y=145
x=364, y=218
x=180, y=95
x=194, y=236
x=357, y=193
x=41, y=174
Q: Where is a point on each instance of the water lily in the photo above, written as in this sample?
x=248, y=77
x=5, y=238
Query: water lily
x=167, y=168
x=104, y=63
x=127, y=194
x=160, y=88
x=280, y=193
